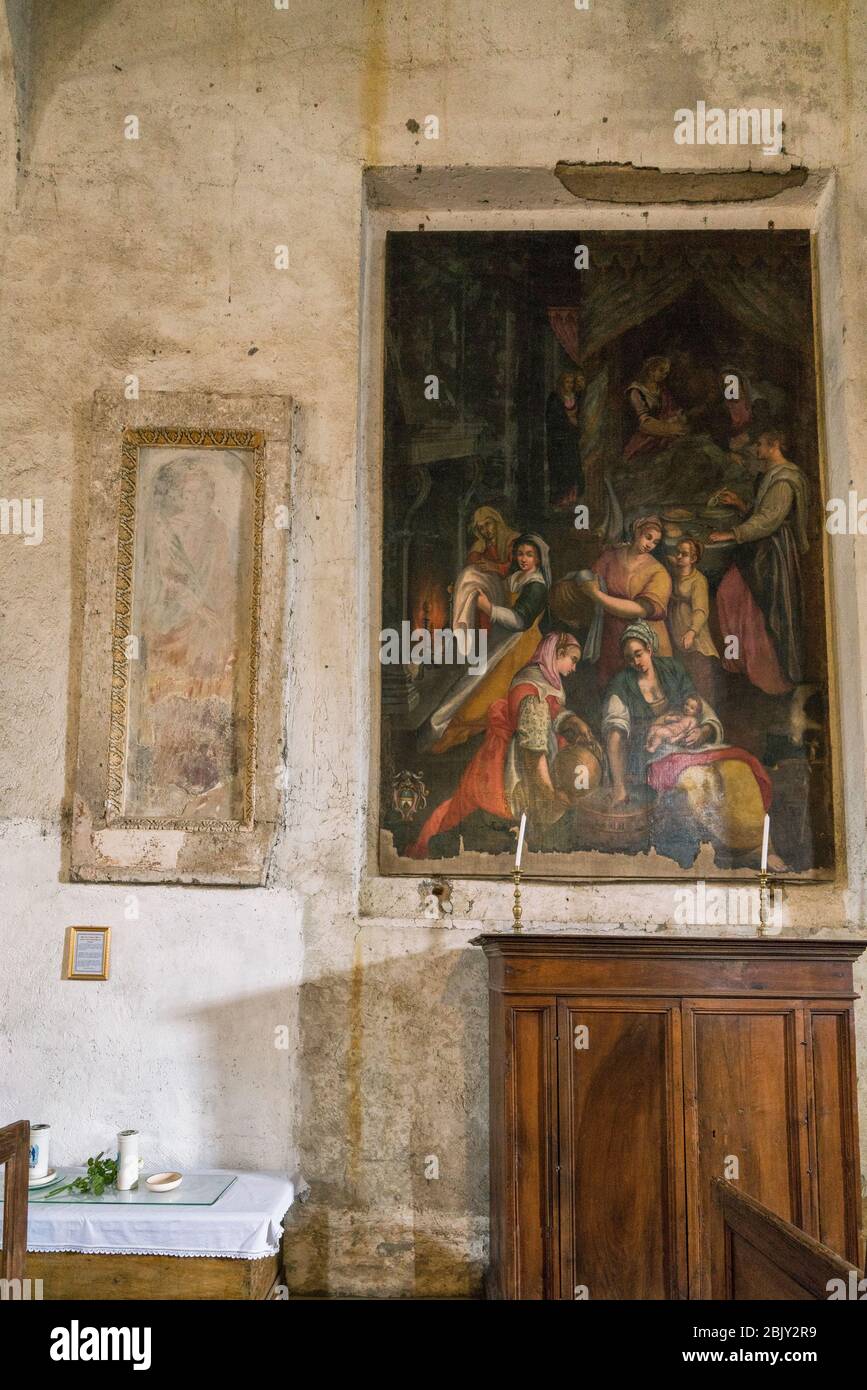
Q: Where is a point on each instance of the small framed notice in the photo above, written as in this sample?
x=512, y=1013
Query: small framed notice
x=87, y=951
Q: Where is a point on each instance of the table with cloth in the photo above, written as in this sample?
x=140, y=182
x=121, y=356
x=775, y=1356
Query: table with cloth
x=148, y=1245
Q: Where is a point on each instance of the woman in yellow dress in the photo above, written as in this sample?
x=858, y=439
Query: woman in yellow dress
x=688, y=614
x=513, y=638
x=630, y=585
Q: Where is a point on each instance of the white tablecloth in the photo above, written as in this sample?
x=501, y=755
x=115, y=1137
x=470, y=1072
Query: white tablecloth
x=243, y=1224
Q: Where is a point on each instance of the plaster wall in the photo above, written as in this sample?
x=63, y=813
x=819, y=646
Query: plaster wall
x=156, y=257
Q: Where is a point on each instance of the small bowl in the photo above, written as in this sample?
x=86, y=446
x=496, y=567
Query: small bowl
x=718, y=513
x=164, y=1182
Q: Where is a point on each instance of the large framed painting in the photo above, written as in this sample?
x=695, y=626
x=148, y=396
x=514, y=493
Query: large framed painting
x=184, y=570
x=604, y=577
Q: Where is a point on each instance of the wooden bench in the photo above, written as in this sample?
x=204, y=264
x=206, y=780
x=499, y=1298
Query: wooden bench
x=768, y=1258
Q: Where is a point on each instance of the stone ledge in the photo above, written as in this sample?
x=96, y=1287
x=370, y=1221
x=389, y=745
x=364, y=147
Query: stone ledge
x=629, y=183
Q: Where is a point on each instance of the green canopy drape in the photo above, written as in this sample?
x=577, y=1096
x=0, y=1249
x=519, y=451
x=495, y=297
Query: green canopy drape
x=760, y=289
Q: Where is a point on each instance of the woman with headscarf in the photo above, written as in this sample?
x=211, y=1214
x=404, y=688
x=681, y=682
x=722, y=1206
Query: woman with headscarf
x=512, y=770
x=646, y=687
x=488, y=561
x=514, y=636
x=630, y=585
x=727, y=789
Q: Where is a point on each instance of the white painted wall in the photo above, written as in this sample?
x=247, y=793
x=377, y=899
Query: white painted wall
x=178, y=1043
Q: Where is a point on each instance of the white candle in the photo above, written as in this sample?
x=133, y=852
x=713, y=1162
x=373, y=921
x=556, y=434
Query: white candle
x=128, y=1161
x=521, y=839
x=765, y=837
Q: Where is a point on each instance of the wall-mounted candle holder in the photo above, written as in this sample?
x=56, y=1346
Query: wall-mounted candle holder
x=516, y=909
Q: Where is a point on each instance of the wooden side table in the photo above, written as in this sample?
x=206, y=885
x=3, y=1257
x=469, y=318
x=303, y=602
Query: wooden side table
x=69, y=1274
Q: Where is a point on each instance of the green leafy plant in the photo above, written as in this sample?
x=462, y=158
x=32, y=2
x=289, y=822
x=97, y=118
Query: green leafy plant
x=101, y=1173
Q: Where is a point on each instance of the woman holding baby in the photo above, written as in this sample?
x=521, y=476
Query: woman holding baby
x=648, y=690
x=659, y=732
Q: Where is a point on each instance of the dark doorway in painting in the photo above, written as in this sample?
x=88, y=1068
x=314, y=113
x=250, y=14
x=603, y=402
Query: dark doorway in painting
x=603, y=570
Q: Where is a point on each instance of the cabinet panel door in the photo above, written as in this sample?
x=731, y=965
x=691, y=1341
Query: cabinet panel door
x=746, y=1119
x=622, y=1191
x=523, y=1138
x=834, y=1127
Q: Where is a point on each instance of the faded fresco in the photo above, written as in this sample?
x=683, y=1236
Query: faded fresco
x=189, y=695
x=603, y=571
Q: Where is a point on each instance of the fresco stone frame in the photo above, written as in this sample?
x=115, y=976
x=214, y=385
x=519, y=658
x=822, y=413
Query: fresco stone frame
x=107, y=844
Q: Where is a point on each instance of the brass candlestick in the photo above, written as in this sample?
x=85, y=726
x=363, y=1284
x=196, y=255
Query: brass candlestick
x=764, y=900
x=516, y=909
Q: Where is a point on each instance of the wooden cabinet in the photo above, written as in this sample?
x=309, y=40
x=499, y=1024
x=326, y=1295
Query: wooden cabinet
x=629, y=1073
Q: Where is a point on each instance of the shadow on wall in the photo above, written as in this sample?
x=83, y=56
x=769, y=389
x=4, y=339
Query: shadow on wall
x=240, y=1055
x=51, y=42
x=394, y=1123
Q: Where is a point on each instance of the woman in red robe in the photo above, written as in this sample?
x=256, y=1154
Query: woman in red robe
x=531, y=716
x=658, y=418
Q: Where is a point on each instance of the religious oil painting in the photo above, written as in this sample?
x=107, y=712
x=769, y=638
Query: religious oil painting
x=604, y=565
x=181, y=748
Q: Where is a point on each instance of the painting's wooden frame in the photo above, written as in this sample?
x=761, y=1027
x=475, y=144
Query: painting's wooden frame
x=474, y=865
x=107, y=844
